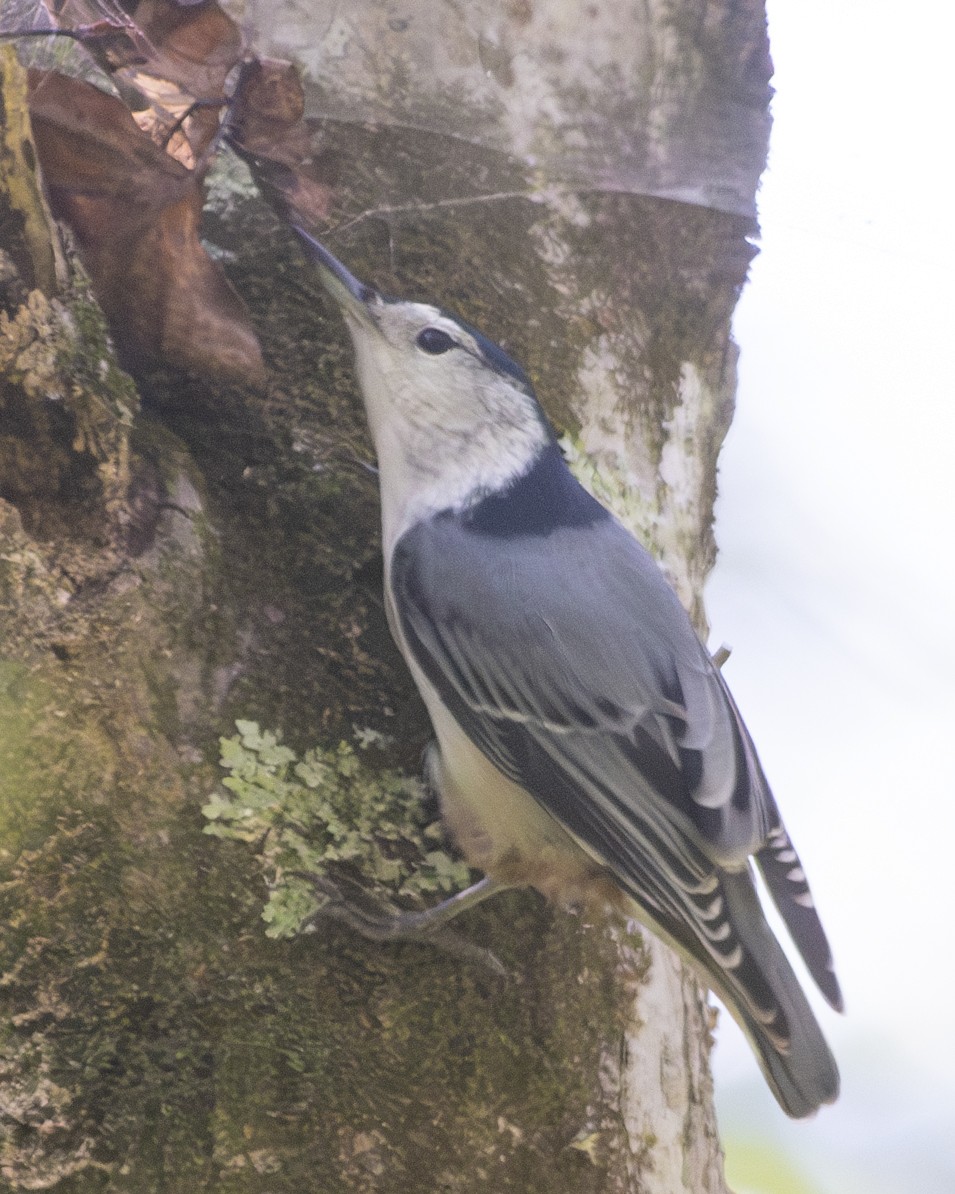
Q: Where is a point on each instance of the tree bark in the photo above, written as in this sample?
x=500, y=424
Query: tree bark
x=581, y=186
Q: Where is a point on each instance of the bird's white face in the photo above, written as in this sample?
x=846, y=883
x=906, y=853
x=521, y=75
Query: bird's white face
x=451, y=417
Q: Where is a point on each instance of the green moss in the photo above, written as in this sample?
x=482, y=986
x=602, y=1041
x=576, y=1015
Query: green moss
x=66, y=413
x=27, y=234
x=53, y=755
x=24, y=707
x=88, y=358
x=58, y=349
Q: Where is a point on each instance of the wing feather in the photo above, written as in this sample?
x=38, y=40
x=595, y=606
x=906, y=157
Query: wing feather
x=590, y=644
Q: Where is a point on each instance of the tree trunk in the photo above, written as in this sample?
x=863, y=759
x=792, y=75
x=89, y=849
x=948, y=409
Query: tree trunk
x=581, y=186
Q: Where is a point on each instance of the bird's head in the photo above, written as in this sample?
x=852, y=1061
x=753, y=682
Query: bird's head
x=450, y=413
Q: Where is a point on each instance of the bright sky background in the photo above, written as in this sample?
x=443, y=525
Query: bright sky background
x=835, y=583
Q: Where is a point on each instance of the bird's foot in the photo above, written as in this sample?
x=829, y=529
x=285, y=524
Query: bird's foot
x=379, y=920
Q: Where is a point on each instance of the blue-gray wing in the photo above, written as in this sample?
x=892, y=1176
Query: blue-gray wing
x=568, y=660
x=569, y=653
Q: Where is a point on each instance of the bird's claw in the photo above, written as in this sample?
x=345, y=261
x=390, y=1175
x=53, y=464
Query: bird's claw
x=379, y=920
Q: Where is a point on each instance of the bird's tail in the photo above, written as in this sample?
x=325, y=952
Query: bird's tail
x=764, y=996
x=786, y=880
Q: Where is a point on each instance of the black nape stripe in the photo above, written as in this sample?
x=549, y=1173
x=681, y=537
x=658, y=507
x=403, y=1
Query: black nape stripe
x=544, y=499
x=496, y=357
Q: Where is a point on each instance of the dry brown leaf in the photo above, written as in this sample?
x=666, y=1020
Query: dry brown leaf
x=130, y=183
x=113, y=41
x=176, y=56
x=267, y=128
x=135, y=212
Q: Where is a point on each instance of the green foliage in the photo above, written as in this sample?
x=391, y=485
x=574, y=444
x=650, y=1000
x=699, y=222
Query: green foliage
x=762, y=1167
x=326, y=814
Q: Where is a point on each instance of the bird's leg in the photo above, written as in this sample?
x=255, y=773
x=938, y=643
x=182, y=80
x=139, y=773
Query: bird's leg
x=381, y=921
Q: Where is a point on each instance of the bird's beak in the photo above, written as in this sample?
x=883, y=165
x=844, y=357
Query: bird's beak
x=352, y=296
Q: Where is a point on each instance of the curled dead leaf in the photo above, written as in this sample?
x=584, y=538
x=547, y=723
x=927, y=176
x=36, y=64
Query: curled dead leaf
x=267, y=128
x=135, y=212
x=126, y=173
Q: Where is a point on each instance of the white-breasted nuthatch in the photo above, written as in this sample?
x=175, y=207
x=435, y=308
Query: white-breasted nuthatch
x=586, y=743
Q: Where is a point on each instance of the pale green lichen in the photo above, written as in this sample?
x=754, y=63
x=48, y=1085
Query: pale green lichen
x=229, y=185
x=66, y=408
x=29, y=587
x=326, y=813
x=38, y=1148
x=31, y=347
x=58, y=349
x=609, y=488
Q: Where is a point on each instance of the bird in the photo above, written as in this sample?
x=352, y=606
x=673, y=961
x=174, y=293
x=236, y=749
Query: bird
x=587, y=745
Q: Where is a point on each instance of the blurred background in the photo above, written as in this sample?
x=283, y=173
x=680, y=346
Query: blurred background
x=835, y=583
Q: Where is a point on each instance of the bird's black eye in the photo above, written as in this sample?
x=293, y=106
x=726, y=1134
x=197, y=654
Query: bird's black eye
x=434, y=341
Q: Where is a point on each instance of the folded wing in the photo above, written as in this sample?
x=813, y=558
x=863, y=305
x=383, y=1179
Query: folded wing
x=568, y=660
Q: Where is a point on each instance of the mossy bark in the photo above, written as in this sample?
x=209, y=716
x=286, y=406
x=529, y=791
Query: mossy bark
x=212, y=554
